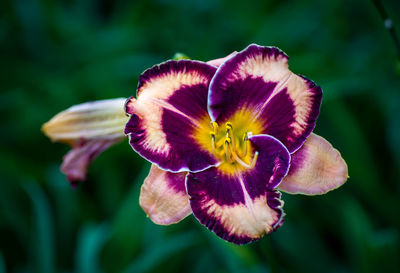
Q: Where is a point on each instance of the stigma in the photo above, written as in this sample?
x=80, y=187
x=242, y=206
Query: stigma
x=230, y=148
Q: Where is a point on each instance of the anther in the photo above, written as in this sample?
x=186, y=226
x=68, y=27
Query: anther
x=229, y=132
x=215, y=126
x=246, y=144
x=228, y=151
x=212, y=142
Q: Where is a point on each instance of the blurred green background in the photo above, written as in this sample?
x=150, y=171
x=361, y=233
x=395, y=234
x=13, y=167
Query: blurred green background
x=58, y=53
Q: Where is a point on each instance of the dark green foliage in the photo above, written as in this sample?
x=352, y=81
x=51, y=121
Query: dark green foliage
x=58, y=53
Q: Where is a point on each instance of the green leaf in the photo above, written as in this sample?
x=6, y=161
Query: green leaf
x=91, y=239
x=42, y=244
x=167, y=248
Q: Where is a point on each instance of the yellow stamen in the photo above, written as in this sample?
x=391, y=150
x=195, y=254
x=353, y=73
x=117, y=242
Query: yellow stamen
x=241, y=162
x=226, y=137
x=212, y=142
x=228, y=150
x=220, y=142
x=246, y=144
x=215, y=127
x=229, y=133
x=232, y=150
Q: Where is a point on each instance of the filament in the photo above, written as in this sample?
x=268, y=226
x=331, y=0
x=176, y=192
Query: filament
x=241, y=162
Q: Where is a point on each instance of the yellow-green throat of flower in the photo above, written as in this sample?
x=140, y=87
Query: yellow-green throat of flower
x=230, y=142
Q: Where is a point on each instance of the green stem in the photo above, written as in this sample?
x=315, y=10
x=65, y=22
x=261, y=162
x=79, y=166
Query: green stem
x=388, y=24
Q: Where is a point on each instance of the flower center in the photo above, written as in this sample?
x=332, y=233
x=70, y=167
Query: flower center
x=232, y=148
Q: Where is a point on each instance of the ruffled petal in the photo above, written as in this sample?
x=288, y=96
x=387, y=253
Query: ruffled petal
x=258, y=80
x=315, y=168
x=163, y=196
x=171, y=105
x=240, y=208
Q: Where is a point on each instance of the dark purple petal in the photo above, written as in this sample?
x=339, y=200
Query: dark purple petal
x=258, y=80
x=241, y=207
x=171, y=106
x=292, y=120
x=272, y=163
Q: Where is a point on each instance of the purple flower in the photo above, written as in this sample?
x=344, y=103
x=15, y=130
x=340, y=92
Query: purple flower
x=223, y=140
x=223, y=136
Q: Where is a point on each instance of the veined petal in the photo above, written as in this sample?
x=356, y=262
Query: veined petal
x=258, y=80
x=90, y=120
x=316, y=168
x=163, y=196
x=240, y=208
x=90, y=128
x=171, y=104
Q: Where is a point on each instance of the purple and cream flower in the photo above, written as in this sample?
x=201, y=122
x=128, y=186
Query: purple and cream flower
x=224, y=137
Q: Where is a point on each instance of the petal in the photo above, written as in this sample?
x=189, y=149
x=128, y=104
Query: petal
x=316, y=168
x=90, y=120
x=163, y=196
x=76, y=162
x=171, y=105
x=258, y=80
x=218, y=62
x=241, y=208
